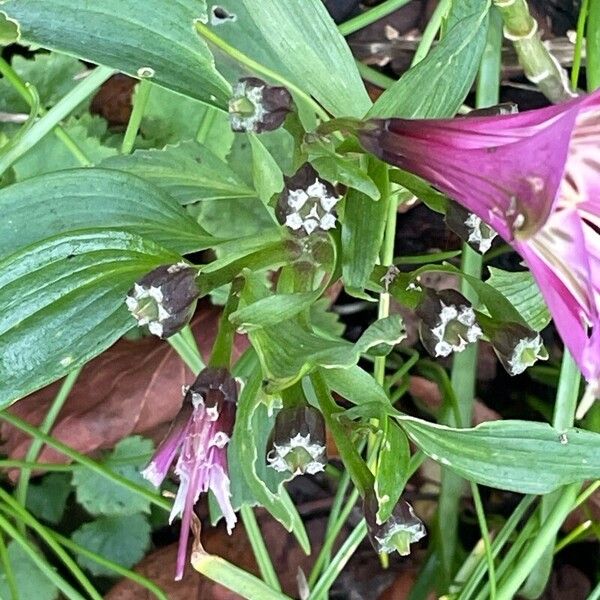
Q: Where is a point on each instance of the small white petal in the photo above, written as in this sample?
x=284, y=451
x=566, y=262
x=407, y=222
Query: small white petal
x=328, y=202
x=155, y=328
x=316, y=190
x=297, y=199
x=310, y=225
x=294, y=221
x=328, y=222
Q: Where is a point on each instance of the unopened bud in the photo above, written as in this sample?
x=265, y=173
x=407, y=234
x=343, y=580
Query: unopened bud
x=448, y=322
x=257, y=106
x=469, y=227
x=517, y=346
x=396, y=533
x=164, y=299
x=298, y=445
x=307, y=202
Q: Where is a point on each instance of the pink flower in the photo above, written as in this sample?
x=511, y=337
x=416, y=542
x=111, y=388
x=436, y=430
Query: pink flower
x=534, y=177
x=199, y=435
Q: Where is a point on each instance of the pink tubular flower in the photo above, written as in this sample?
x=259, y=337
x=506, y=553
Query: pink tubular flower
x=534, y=177
x=199, y=434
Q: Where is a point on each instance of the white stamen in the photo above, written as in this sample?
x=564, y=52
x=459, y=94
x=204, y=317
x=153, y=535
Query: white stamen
x=478, y=234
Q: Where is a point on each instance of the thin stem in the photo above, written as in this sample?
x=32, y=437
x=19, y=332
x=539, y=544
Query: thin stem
x=13, y=78
x=109, y=564
x=8, y=570
x=45, y=427
x=86, y=461
x=374, y=76
x=595, y=595
x=253, y=65
x=572, y=535
x=259, y=548
x=431, y=30
x=581, y=21
x=339, y=561
x=485, y=536
x=520, y=569
x=68, y=590
x=330, y=537
x=56, y=114
x=587, y=493
x=374, y=14
x=35, y=525
x=135, y=120
x=188, y=353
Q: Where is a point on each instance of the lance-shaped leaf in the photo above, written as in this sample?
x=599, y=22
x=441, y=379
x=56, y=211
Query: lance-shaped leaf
x=155, y=39
x=63, y=303
x=67, y=201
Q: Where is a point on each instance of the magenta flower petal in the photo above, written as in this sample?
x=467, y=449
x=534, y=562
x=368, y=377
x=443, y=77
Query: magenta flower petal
x=199, y=435
x=534, y=177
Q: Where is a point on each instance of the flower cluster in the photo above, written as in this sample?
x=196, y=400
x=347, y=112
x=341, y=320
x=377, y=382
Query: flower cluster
x=198, y=437
x=534, y=178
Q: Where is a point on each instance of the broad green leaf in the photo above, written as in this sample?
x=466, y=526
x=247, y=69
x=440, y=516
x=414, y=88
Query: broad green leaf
x=63, y=303
x=266, y=174
x=48, y=498
x=188, y=172
x=170, y=118
x=325, y=321
x=437, y=85
x=347, y=172
x=248, y=450
x=520, y=456
x=362, y=235
x=381, y=336
x=122, y=539
x=94, y=198
x=52, y=75
x=158, y=41
x=9, y=30
x=392, y=467
x=101, y=497
x=298, y=40
x=523, y=293
x=355, y=385
x=30, y=581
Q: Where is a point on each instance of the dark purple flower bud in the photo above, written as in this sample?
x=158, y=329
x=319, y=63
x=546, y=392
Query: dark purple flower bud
x=198, y=437
x=307, y=202
x=164, y=299
x=257, y=106
x=469, y=227
x=517, y=346
x=398, y=532
x=448, y=322
x=299, y=443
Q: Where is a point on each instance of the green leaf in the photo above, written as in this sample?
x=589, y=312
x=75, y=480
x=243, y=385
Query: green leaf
x=362, y=235
x=101, y=497
x=30, y=581
x=170, y=118
x=52, y=75
x=519, y=456
x=347, y=172
x=188, y=172
x=63, y=303
x=94, y=198
x=381, y=336
x=355, y=385
x=522, y=292
x=392, y=468
x=248, y=450
x=437, y=85
x=47, y=499
x=299, y=41
x=157, y=41
x=9, y=30
x=267, y=176
x=123, y=539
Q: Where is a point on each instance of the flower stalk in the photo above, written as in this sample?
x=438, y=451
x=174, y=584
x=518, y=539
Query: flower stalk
x=540, y=66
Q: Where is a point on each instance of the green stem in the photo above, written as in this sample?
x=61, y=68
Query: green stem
x=544, y=537
x=13, y=78
x=56, y=114
x=135, y=120
x=8, y=570
x=188, y=353
x=35, y=525
x=485, y=536
x=339, y=561
x=540, y=67
x=572, y=536
x=253, y=65
x=374, y=76
x=595, y=595
x=374, y=14
x=592, y=40
x=221, y=350
x=581, y=21
x=86, y=461
x=109, y=564
x=68, y=590
x=333, y=530
x=206, y=124
x=36, y=443
x=259, y=548
x=431, y=30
